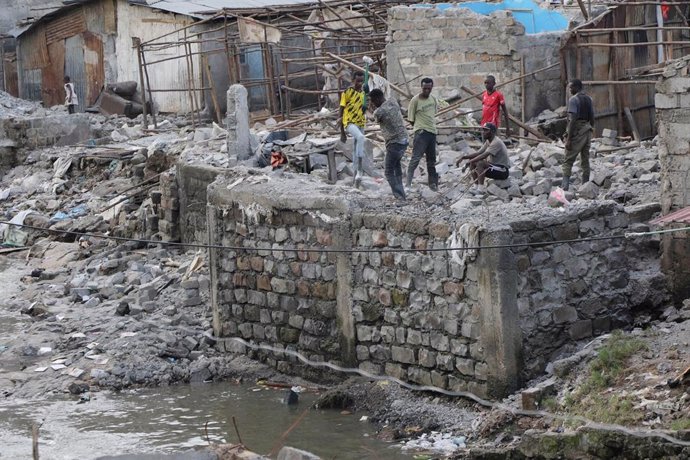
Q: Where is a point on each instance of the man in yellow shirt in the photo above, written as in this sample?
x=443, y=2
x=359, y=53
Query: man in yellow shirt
x=352, y=121
x=421, y=112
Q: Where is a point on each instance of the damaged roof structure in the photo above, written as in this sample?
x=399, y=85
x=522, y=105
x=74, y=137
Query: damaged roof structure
x=619, y=56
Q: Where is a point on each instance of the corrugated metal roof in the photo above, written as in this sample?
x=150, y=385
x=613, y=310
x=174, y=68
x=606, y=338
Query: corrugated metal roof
x=194, y=7
x=681, y=216
x=199, y=9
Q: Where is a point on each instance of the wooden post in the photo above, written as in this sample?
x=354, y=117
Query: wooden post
x=402, y=72
x=231, y=76
x=136, y=42
x=316, y=74
x=214, y=98
x=522, y=90
x=195, y=96
x=148, y=86
x=189, y=81
x=356, y=67
x=268, y=83
x=633, y=125
x=286, y=69
x=583, y=9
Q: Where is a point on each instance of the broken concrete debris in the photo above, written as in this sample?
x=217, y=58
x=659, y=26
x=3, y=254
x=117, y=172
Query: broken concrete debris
x=108, y=314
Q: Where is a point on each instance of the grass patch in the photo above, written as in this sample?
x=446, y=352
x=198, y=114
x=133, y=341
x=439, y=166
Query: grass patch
x=605, y=370
x=681, y=424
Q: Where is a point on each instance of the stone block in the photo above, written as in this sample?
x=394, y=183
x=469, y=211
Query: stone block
x=564, y=315
x=403, y=355
x=419, y=375
x=465, y=366
x=439, y=341
x=296, y=321
x=427, y=358
x=581, y=329
x=362, y=352
x=414, y=337
x=396, y=370
x=380, y=353
x=666, y=101
x=290, y=453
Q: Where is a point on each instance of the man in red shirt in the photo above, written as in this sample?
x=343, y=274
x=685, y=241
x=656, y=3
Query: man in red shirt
x=492, y=102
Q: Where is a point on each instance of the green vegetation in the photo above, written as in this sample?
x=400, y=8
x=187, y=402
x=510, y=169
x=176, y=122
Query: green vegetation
x=590, y=400
x=681, y=424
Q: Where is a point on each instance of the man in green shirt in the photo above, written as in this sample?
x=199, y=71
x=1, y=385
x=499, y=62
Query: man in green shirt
x=421, y=112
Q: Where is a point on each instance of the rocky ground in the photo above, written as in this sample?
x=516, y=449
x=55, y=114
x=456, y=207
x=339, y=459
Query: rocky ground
x=82, y=314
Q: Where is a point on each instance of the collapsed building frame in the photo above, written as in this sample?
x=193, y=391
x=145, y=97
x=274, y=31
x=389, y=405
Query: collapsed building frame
x=619, y=56
x=283, y=55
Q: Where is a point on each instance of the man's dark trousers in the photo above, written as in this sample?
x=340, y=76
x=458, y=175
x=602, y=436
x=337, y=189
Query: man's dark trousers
x=424, y=144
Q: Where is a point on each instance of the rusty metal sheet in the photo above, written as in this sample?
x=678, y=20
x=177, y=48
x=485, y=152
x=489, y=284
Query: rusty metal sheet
x=31, y=85
x=93, y=67
x=109, y=16
x=10, y=74
x=75, y=68
x=69, y=25
x=680, y=216
x=34, y=49
x=52, y=84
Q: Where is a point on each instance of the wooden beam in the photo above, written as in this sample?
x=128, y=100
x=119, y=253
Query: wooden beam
x=616, y=45
x=583, y=9
x=633, y=125
x=356, y=67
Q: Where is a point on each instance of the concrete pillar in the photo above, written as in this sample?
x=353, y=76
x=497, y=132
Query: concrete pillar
x=500, y=336
x=238, y=122
x=673, y=118
x=346, y=323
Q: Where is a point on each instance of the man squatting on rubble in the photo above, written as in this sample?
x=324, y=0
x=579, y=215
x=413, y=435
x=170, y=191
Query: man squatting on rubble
x=422, y=113
x=352, y=108
x=579, y=132
x=390, y=118
x=492, y=104
x=498, y=164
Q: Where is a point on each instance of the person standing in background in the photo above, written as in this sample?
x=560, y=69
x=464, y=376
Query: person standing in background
x=71, y=100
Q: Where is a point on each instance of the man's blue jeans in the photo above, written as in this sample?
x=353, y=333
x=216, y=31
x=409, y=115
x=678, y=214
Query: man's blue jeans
x=393, y=169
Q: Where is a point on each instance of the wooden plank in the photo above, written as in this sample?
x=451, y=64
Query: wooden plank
x=633, y=125
x=583, y=9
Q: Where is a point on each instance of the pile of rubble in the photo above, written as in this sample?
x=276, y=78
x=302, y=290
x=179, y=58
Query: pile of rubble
x=10, y=106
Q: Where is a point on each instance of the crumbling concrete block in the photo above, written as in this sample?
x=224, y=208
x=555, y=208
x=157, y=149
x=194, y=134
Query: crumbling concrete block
x=237, y=123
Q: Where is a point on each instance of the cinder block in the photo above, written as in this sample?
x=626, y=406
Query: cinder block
x=665, y=101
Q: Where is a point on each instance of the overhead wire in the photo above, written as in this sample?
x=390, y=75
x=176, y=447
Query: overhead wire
x=625, y=235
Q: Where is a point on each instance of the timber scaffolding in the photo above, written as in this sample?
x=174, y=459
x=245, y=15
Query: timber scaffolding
x=296, y=47
x=619, y=56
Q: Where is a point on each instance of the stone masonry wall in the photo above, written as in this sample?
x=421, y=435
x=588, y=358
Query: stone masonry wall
x=483, y=320
x=193, y=181
x=458, y=47
x=46, y=131
x=415, y=317
x=672, y=103
x=573, y=291
x=169, y=207
x=282, y=299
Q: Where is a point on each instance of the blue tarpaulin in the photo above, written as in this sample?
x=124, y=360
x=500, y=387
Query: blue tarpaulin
x=528, y=13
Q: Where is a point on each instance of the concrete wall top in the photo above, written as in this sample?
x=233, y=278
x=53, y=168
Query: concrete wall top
x=263, y=192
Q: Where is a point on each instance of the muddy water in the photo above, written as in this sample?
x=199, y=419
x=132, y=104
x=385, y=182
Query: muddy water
x=172, y=419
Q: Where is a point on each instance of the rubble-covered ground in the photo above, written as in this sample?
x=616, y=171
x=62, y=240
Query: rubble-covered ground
x=83, y=314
